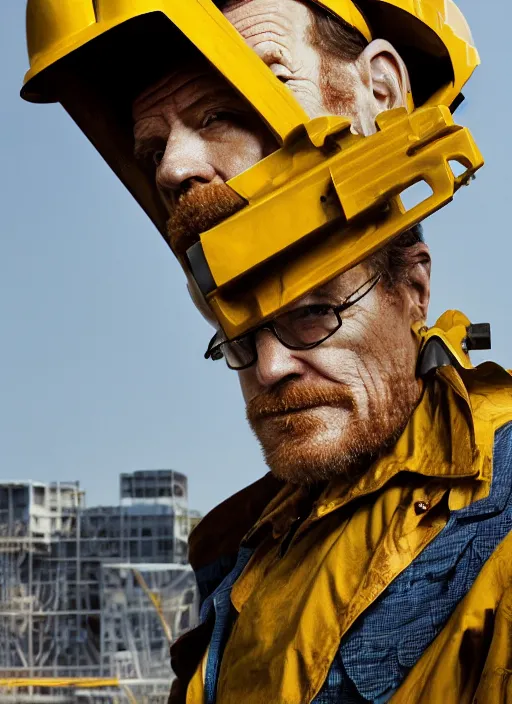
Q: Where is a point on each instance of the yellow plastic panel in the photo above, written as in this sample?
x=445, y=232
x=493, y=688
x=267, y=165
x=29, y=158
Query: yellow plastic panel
x=50, y=24
x=403, y=158
x=290, y=193
x=349, y=12
x=452, y=329
x=448, y=22
x=374, y=210
x=218, y=40
x=241, y=309
x=58, y=27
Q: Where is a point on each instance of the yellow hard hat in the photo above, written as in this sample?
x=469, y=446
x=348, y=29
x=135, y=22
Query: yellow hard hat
x=424, y=31
x=94, y=56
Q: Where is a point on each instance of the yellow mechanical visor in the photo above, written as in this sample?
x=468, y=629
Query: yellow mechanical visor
x=198, y=20
x=86, y=54
x=323, y=203
x=325, y=200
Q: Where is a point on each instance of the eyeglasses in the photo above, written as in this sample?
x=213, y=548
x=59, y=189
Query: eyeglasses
x=302, y=328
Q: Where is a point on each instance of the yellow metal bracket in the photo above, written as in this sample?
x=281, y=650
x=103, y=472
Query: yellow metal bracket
x=326, y=178
x=451, y=330
x=298, y=180
x=449, y=342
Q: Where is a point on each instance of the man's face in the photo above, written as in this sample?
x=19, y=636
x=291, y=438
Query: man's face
x=355, y=392
x=321, y=412
x=194, y=126
x=195, y=132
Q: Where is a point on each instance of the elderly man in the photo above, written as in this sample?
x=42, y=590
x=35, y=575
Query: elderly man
x=198, y=133
x=351, y=571
x=372, y=563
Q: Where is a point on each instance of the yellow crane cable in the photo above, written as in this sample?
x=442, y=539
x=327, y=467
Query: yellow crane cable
x=155, y=600
x=129, y=694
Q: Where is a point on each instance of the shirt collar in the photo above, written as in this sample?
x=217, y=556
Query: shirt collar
x=439, y=442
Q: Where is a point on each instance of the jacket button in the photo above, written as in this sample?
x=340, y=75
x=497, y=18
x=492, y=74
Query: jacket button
x=421, y=507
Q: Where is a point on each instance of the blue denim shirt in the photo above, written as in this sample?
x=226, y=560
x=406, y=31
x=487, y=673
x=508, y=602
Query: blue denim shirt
x=218, y=606
x=389, y=638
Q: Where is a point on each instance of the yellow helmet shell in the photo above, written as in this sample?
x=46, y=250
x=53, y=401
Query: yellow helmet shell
x=71, y=43
x=434, y=39
x=94, y=56
x=435, y=29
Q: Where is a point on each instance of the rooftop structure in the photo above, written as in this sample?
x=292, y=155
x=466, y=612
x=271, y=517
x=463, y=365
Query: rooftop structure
x=95, y=593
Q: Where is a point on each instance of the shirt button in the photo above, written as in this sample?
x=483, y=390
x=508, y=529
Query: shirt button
x=421, y=507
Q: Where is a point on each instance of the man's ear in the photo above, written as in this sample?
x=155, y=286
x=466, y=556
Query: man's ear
x=418, y=280
x=387, y=74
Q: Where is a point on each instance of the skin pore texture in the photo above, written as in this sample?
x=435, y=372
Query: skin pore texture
x=196, y=132
x=329, y=410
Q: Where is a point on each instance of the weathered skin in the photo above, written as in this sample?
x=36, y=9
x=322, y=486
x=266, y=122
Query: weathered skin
x=369, y=365
x=194, y=126
x=199, y=133
x=278, y=34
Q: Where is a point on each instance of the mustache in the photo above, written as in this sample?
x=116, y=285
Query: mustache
x=198, y=209
x=275, y=402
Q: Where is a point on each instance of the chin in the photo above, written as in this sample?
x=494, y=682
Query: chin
x=308, y=448
x=320, y=443
x=312, y=449
x=306, y=462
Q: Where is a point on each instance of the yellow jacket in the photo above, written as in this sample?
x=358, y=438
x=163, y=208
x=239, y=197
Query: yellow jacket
x=296, y=601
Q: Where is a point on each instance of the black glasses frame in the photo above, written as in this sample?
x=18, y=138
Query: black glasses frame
x=215, y=352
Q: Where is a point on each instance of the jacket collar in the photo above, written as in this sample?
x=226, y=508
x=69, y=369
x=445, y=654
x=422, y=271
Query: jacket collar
x=449, y=437
x=445, y=439
x=221, y=531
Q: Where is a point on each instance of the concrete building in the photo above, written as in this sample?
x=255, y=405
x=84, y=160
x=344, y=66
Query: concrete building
x=93, y=593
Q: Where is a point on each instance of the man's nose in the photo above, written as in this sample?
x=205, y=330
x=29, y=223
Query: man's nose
x=185, y=159
x=275, y=361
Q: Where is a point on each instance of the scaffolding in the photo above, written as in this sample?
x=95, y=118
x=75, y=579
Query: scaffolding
x=88, y=601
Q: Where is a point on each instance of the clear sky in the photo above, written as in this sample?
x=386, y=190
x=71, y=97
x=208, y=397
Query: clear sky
x=101, y=355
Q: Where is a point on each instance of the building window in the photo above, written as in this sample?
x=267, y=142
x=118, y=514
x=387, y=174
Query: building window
x=147, y=548
x=39, y=496
x=134, y=552
x=165, y=546
x=20, y=497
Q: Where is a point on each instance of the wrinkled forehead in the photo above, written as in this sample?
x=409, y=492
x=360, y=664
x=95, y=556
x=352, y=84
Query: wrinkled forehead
x=271, y=29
